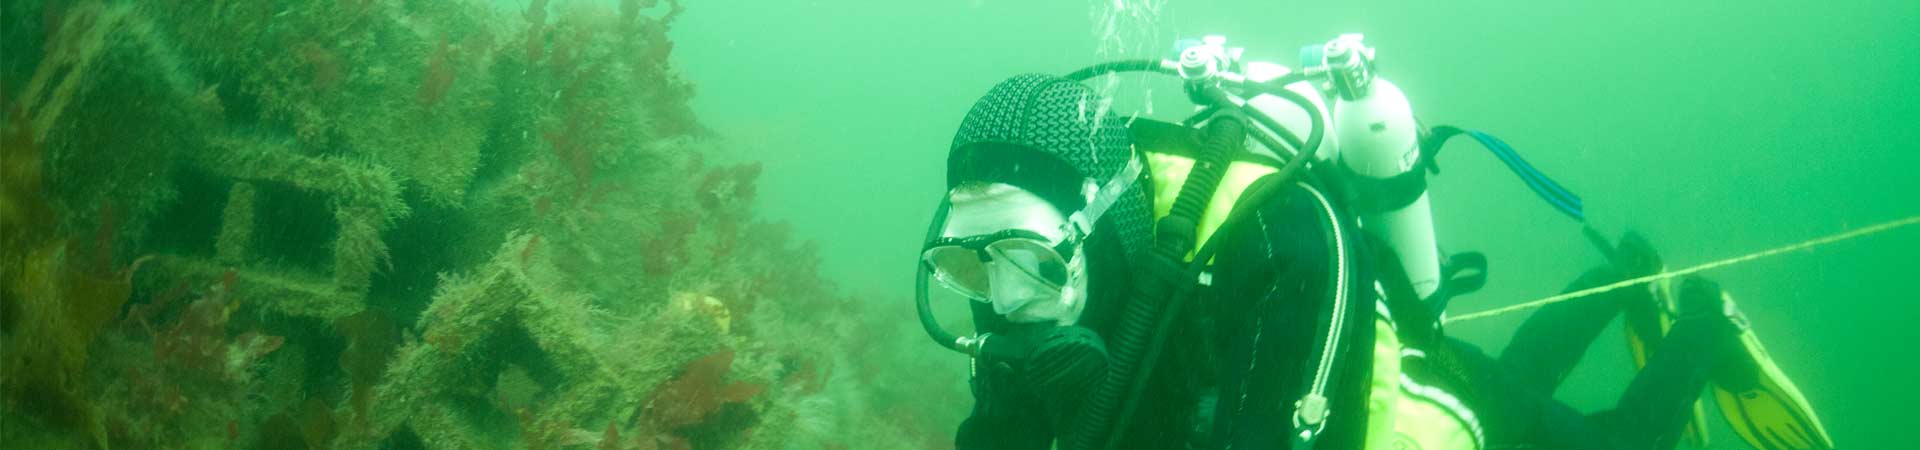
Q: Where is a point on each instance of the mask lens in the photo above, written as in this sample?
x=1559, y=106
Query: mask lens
x=1015, y=264
x=1035, y=260
x=960, y=269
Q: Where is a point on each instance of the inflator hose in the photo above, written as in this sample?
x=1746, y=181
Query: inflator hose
x=1277, y=88
x=1154, y=284
x=1135, y=65
x=940, y=335
x=1255, y=195
x=1220, y=138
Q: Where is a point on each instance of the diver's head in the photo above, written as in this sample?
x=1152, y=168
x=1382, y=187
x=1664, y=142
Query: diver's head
x=1034, y=172
x=1006, y=246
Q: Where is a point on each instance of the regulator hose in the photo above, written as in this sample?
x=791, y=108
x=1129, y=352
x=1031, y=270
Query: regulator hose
x=1133, y=65
x=1153, y=286
x=932, y=324
x=1277, y=88
x=1164, y=281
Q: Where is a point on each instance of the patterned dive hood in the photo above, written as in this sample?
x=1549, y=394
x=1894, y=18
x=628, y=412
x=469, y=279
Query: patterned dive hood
x=1042, y=133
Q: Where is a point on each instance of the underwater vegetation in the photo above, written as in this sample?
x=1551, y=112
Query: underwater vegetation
x=361, y=224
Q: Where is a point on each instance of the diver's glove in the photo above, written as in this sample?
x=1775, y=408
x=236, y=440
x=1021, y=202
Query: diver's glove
x=1633, y=256
x=1649, y=317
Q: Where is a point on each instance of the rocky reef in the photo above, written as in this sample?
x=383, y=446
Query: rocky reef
x=387, y=224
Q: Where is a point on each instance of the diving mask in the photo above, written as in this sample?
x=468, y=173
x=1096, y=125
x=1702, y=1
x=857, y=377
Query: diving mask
x=1011, y=269
x=1008, y=247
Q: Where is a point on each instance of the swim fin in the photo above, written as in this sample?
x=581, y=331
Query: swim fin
x=1760, y=402
x=1645, y=325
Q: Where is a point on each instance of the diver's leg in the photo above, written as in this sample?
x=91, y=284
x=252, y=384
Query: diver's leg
x=1712, y=343
x=1651, y=415
x=1559, y=426
x=1548, y=345
x=1657, y=405
x=1513, y=414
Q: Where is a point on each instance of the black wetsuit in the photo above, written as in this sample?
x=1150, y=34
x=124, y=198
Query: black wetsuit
x=1234, y=368
x=1514, y=395
x=1272, y=282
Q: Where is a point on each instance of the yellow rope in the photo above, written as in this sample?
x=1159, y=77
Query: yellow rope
x=1675, y=273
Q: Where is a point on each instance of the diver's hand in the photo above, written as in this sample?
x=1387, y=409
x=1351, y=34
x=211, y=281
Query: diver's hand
x=1631, y=257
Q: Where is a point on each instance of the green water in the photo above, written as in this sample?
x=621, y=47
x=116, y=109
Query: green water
x=1716, y=128
x=638, y=224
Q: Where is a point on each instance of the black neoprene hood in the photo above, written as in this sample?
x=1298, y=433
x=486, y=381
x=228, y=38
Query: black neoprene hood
x=1045, y=134
x=1020, y=166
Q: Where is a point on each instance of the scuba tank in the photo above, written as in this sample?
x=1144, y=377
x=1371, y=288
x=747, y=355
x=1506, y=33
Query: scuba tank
x=1380, y=151
x=1385, y=156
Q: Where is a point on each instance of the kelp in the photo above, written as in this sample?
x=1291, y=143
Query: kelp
x=52, y=303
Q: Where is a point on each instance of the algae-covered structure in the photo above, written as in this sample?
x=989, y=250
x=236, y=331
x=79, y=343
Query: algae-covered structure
x=386, y=224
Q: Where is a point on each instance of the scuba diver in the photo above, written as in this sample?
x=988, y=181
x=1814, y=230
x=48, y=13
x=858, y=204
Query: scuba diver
x=1143, y=284
x=1685, y=334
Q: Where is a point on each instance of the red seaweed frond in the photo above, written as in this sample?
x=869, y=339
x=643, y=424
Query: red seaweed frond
x=145, y=314
x=610, y=440
x=324, y=68
x=197, y=346
x=536, y=33
x=372, y=339
x=571, y=146
x=697, y=393
x=439, y=75
x=198, y=339
x=533, y=245
x=667, y=248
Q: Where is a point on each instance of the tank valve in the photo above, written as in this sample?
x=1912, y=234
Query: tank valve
x=1344, y=63
x=1206, y=58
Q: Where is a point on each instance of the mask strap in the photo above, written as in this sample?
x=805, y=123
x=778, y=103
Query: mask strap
x=1099, y=200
